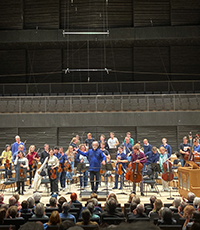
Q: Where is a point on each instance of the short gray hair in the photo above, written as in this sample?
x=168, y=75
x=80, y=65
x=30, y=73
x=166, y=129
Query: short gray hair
x=196, y=201
x=140, y=208
x=191, y=196
x=31, y=202
x=66, y=207
x=37, y=197
x=39, y=209
x=177, y=202
x=95, y=201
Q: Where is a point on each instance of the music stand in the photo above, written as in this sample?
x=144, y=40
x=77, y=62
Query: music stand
x=106, y=167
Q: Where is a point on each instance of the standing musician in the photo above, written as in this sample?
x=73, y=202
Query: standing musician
x=6, y=157
x=146, y=146
x=71, y=157
x=95, y=157
x=52, y=165
x=58, y=155
x=136, y=156
x=196, y=147
x=16, y=144
x=184, y=149
x=102, y=140
x=128, y=148
x=33, y=158
x=120, y=167
x=82, y=159
x=21, y=171
x=167, y=147
x=45, y=153
x=20, y=148
x=163, y=158
x=108, y=159
x=63, y=159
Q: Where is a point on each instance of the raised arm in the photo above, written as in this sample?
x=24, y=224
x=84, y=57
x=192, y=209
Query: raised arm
x=82, y=153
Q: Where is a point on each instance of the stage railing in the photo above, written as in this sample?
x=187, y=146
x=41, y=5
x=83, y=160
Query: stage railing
x=100, y=103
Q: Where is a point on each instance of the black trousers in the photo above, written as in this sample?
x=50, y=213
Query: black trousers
x=96, y=175
x=20, y=184
x=53, y=182
x=31, y=173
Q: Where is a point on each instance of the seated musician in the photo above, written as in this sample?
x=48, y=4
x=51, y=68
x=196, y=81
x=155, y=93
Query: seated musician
x=153, y=157
x=32, y=157
x=138, y=157
x=121, y=161
x=163, y=158
x=6, y=156
x=196, y=147
x=21, y=171
x=63, y=159
x=184, y=149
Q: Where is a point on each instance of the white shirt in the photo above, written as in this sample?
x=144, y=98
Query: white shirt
x=112, y=143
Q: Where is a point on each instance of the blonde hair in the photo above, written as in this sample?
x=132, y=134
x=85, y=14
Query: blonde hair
x=29, y=150
x=189, y=209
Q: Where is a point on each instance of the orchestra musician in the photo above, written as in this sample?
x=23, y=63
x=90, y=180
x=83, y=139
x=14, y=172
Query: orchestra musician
x=6, y=156
x=44, y=153
x=95, y=157
x=21, y=164
x=184, y=149
x=32, y=157
x=20, y=148
x=167, y=147
x=119, y=171
x=128, y=148
x=163, y=158
x=52, y=165
x=71, y=157
x=82, y=159
x=58, y=155
x=63, y=159
x=16, y=144
x=136, y=156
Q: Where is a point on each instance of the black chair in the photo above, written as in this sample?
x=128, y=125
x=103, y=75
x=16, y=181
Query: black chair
x=51, y=209
x=10, y=183
x=16, y=222
x=171, y=227
x=43, y=220
x=167, y=205
x=89, y=227
x=148, y=210
x=126, y=211
x=26, y=216
x=75, y=212
x=113, y=220
x=7, y=227
x=53, y=227
x=119, y=209
x=71, y=219
x=78, y=205
x=176, y=217
x=92, y=219
x=132, y=220
x=127, y=205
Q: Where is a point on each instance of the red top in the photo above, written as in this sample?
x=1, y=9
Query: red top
x=30, y=157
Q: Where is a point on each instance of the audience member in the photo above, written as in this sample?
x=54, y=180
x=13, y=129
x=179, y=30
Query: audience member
x=24, y=208
x=65, y=212
x=32, y=226
x=181, y=208
x=139, y=212
x=18, y=204
x=133, y=211
x=136, y=200
x=166, y=217
x=188, y=214
x=130, y=198
x=61, y=201
x=12, y=201
x=190, y=198
x=158, y=204
x=90, y=207
x=31, y=203
x=39, y=211
x=175, y=204
x=66, y=224
x=12, y=212
x=2, y=215
x=73, y=198
x=1, y=199
x=97, y=209
x=86, y=219
x=52, y=204
x=196, y=202
x=53, y=220
x=37, y=197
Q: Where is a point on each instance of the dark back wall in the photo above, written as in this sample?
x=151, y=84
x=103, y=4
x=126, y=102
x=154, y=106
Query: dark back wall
x=58, y=129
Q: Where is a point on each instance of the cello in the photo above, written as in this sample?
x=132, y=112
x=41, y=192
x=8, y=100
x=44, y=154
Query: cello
x=167, y=174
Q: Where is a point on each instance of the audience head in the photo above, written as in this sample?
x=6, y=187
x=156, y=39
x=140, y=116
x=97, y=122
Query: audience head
x=136, y=200
x=1, y=197
x=158, y=204
x=190, y=197
x=53, y=202
x=133, y=206
x=12, y=201
x=188, y=211
x=90, y=207
x=177, y=202
x=2, y=215
x=73, y=197
x=66, y=225
x=112, y=204
x=195, y=226
x=196, y=201
x=37, y=197
x=140, y=208
x=167, y=215
x=93, y=195
x=94, y=201
x=39, y=210
x=65, y=207
x=54, y=218
x=131, y=197
x=12, y=211
x=32, y=226
x=62, y=200
x=113, y=195
x=16, y=196
x=24, y=204
x=182, y=206
x=31, y=202
x=86, y=216
x=152, y=200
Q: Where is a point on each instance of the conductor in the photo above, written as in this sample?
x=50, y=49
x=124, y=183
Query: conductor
x=96, y=158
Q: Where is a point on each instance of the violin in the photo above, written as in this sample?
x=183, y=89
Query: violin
x=167, y=174
x=34, y=162
x=21, y=173
x=68, y=167
x=119, y=167
x=53, y=174
x=59, y=170
x=7, y=164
